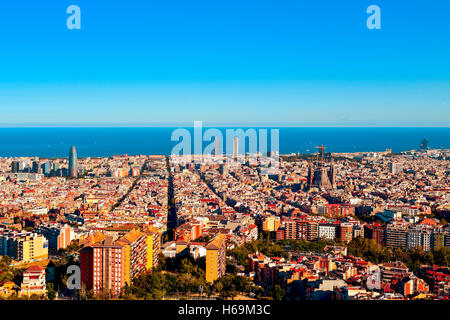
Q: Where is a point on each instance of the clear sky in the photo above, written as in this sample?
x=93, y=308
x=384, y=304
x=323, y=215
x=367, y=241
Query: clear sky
x=287, y=62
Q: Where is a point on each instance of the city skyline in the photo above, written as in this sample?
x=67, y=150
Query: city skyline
x=339, y=223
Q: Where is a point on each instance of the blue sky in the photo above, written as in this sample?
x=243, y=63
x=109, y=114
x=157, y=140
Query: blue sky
x=284, y=62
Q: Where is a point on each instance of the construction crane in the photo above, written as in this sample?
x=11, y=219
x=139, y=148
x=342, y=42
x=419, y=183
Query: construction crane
x=322, y=147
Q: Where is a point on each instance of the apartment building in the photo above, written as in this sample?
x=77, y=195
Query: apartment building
x=328, y=231
x=345, y=232
x=336, y=210
x=438, y=279
x=23, y=246
x=33, y=282
x=375, y=232
x=298, y=229
x=135, y=243
x=103, y=266
x=58, y=235
x=393, y=272
x=438, y=239
x=396, y=236
x=107, y=264
x=268, y=222
x=216, y=257
x=153, y=246
x=307, y=230
x=412, y=285
x=416, y=238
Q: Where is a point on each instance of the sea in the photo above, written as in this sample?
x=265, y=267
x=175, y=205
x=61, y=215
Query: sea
x=50, y=142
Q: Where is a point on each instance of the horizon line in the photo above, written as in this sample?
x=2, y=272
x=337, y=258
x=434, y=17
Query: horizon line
x=229, y=124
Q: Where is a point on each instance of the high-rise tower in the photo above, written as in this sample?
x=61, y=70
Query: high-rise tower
x=216, y=146
x=73, y=162
x=424, y=144
x=235, y=148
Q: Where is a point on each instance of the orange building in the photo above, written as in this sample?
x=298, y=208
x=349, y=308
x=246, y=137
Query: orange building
x=135, y=243
x=103, y=266
x=339, y=210
x=346, y=232
x=271, y=223
x=107, y=265
x=413, y=285
x=216, y=257
x=153, y=246
x=58, y=235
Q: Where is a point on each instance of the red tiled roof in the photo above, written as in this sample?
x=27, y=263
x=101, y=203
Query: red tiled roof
x=35, y=268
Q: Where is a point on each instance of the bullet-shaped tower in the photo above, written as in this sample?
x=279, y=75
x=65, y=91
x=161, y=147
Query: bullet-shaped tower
x=73, y=162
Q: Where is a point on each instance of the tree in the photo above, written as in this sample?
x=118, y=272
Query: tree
x=186, y=266
x=204, y=238
x=277, y=292
x=6, y=260
x=265, y=247
x=225, y=287
x=162, y=260
x=34, y=296
x=258, y=291
x=218, y=285
x=230, y=267
x=413, y=258
x=442, y=257
x=230, y=285
x=51, y=293
x=6, y=276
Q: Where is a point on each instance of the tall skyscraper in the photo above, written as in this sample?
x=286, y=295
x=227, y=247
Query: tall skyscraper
x=46, y=167
x=424, y=144
x=235, y=147
x=73, y=162
x=216, y=146
x=35, y=167
x=15, y=166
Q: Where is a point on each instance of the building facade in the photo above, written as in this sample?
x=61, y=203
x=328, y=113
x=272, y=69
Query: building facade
x=216, y=258
x=23, y=246
x=103, y=267
x=73, y=162
x=58, y=235
x=33, y=282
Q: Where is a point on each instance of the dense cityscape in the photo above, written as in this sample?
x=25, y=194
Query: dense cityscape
x=323, y=226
